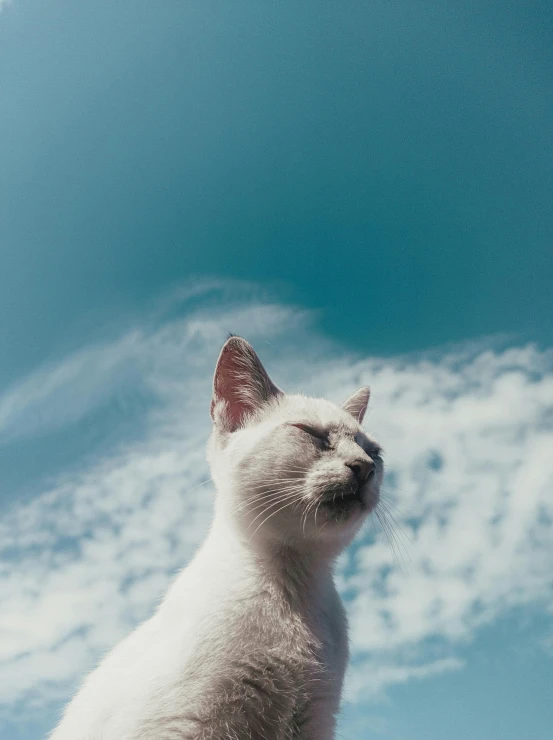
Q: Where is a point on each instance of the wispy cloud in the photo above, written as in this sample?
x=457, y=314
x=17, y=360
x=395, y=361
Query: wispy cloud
x=468, y=438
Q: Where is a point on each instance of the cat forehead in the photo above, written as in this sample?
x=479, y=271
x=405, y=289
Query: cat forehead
x=317, y=411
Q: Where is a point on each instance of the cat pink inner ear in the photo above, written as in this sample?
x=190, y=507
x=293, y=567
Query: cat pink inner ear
x=357, y=403
x=240, y=386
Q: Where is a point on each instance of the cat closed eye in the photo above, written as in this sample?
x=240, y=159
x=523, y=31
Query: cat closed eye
x=317, y=433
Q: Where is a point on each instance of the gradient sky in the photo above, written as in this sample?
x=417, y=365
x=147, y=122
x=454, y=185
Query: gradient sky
x=365, y=189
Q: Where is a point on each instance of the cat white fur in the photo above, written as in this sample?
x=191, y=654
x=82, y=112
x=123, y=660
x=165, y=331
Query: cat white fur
x=251, y=639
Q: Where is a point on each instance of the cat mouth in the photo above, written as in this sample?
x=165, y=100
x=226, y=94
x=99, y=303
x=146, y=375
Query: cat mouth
x=344, y=500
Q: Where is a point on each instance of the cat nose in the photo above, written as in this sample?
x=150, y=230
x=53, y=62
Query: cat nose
x=362, y=469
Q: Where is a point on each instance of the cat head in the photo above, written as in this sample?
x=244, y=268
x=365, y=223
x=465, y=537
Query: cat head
x=289, y=469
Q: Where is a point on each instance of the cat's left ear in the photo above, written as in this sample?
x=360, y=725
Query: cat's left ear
x=356, y=404
x=240, y=386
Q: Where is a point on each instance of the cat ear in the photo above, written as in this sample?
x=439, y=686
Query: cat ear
x=356, y=404
x=240, y=386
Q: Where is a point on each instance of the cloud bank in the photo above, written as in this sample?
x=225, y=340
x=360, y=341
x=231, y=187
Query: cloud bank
x=468, y=436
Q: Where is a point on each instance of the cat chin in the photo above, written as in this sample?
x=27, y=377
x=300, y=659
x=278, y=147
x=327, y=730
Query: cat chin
x=349, y=512
x=345, y=517
x=344, y=511
x=336, y=533
x=342, y=518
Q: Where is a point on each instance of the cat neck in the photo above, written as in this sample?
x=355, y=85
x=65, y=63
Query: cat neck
x=299, y=568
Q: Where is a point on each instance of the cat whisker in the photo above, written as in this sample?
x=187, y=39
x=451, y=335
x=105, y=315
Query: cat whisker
x=304, y=517
x=275, y=479
x=306, y=512
x=287, y=497
x=303, y=520
x=400, y=530
x=291, y=467
x=267, y=496
x=392, y=539
x=280, y=483
x=289, y=470
x=255, y=494
x=198, y=485
x=278, y=487
x=317, y=511
x=256, y=491
x=385, y=530
x=271, y=502
x=271, y=515
x=333, y=501
x=387, y=497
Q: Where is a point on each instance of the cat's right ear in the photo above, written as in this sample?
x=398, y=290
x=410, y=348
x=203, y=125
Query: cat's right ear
x=240, y=385
x=357, y=403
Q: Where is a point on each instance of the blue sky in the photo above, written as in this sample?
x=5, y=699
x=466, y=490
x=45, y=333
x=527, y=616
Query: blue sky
x=364, y=191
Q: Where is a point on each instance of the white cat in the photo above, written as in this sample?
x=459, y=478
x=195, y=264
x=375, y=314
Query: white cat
x=250, y=642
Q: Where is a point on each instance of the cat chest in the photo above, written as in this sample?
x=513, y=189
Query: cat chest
x=331, y=645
